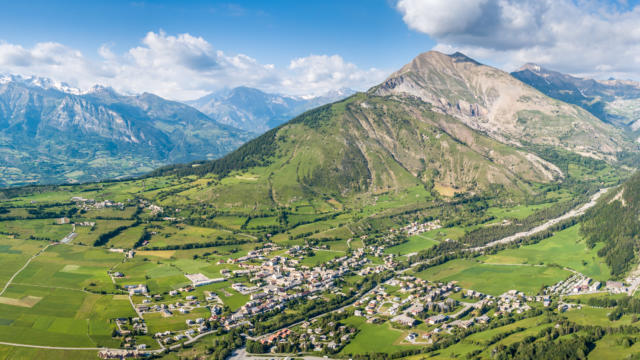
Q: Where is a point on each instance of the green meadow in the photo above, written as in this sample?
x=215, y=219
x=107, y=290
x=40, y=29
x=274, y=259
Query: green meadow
x=61, y=317
x=495, y=279
x=373, y=338
x=565, y=248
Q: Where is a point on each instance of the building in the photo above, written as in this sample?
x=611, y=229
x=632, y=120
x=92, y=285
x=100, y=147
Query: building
x=139, y=289
x=436, y=319
x=404, y=320
x=201, y=280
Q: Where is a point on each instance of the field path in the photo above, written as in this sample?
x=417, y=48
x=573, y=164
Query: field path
x=22, y=268
x=52, y=347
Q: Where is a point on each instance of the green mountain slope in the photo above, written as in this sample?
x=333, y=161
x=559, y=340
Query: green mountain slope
x=373, y=145
x=395, y=138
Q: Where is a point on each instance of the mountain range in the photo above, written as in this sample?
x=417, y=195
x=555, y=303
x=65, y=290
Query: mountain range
x=442, y=123
x=52, y=133
x=613, y=101
x=256, y=111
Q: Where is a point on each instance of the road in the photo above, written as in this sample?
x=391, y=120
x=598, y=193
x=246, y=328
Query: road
x=69, y=237
x=22, y=268
x=241, y=354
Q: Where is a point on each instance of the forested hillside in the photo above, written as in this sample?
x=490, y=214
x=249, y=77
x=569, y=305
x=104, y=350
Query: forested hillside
x=616, y=224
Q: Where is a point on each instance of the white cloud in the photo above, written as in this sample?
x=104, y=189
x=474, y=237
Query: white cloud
x=585, y=37
x=182, y=67
x=321, y=72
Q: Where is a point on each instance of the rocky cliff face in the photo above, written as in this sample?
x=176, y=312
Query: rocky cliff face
x=613, y=101
x=499, y=105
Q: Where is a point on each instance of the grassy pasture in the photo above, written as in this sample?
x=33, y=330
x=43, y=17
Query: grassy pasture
x=87, y=235
x=374, y=338
x=610, y=347
x=61, y=318
x=516, y=212
x=127, y=238
x=184, y=234
x=321, y=257
x=416, y=243
x=37, y=228
x=232, y=222
x=22, y=353
x=157, y=323
x=111, y=213
x=494, y=279
x=565, y=248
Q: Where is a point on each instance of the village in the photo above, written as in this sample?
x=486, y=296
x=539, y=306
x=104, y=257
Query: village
x=272, y=277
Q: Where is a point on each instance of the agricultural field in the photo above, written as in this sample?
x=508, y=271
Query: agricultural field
x=56, y=316
x=495, y=279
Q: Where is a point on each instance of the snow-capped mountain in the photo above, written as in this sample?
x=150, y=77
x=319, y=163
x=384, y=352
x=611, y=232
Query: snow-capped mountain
x=51, y=132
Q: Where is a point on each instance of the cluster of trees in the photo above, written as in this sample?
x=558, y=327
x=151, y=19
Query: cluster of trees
x=617, y=226
x=201, y=245
x=624, y=305
x=547, y=345
x=222, y=346
x=485, y=235
x=104, y=238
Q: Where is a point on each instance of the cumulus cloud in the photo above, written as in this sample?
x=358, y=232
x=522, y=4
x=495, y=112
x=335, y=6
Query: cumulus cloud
x=322, y=72
x=182, y=67
x=590, y=38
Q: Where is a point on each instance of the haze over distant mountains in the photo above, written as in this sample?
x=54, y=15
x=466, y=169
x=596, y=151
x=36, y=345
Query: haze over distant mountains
x=51, y=133
x=256, y=111
x=613, y=101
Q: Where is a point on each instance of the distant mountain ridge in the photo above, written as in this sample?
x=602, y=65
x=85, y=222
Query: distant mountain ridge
x=613, y=101
x=256, y=111
x=52, y=133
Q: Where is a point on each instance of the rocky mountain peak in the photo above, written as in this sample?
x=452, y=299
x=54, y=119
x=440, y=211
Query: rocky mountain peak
x=494, y=102
x=532, y=67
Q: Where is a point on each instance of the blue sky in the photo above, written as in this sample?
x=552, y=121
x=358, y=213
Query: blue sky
x=370, y=33
x=186, y=49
